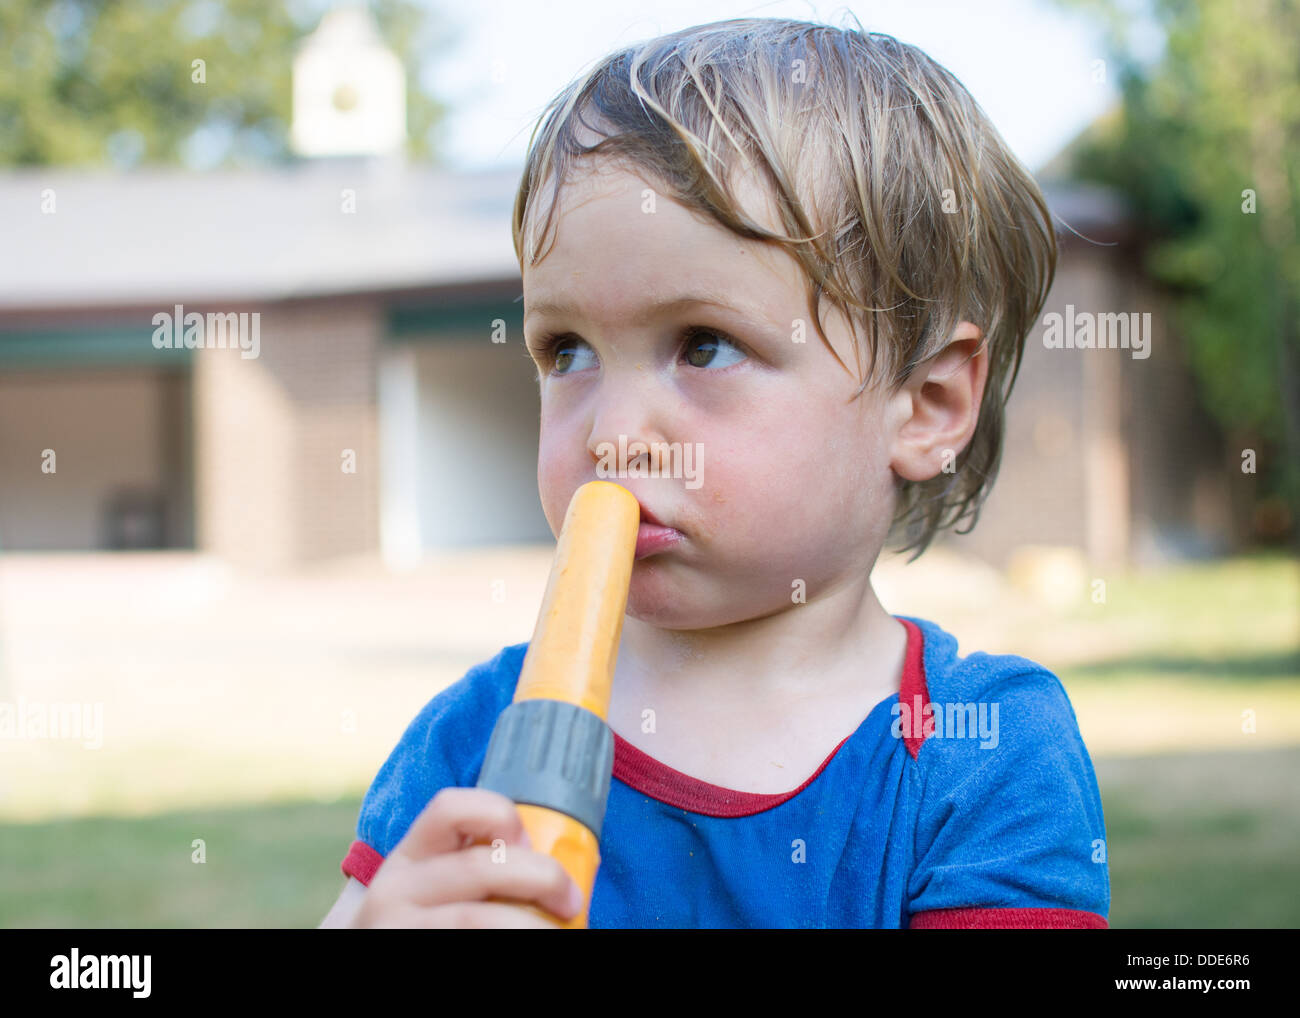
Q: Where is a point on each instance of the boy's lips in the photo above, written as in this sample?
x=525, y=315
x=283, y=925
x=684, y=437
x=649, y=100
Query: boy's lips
x=652, y=536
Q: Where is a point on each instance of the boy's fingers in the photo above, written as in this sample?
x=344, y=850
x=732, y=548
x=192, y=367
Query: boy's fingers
x=476, y=874
x=456, y=817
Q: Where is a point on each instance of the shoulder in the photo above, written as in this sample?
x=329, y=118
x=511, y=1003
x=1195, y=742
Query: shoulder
x=1009, y=814
x=992, y=735
x=957, y=706
x=452, y=721
x=951, y=675
x=443, y=746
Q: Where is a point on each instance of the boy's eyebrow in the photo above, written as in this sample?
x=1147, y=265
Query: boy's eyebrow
x=664, y=304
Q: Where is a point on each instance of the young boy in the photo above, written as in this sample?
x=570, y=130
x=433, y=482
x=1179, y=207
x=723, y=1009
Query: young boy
x=804, y=253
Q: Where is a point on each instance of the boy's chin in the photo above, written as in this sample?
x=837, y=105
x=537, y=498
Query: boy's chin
x=655, y=599
x=658, y=601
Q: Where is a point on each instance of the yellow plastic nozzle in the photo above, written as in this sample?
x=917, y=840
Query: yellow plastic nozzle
x=574, y=649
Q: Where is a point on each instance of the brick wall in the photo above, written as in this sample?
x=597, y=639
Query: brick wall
x=270, y=433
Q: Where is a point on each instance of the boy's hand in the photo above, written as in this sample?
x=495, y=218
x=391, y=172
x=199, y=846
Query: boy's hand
x=442, y=872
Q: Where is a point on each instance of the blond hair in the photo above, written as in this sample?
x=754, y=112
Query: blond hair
x=898, y=197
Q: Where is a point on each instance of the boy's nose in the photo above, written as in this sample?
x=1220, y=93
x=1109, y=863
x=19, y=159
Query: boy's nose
x=623, y=415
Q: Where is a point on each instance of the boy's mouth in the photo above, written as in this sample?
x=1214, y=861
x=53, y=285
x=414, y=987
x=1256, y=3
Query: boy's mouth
x=652, y=536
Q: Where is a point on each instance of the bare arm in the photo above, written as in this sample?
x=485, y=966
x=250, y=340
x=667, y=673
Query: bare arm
x=341, y=915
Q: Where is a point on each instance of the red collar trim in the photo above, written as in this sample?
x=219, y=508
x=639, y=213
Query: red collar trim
x=647, y=775
x=912, y=691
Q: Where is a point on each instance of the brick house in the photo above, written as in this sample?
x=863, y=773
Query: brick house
x=376, y=336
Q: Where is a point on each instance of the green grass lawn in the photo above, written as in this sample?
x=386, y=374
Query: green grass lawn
x=1206, y=840
x=267, y=866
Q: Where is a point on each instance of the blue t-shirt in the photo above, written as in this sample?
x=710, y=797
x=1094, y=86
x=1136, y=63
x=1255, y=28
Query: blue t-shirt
x=967, y=799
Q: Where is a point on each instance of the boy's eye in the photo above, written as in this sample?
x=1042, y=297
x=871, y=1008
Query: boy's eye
x=564, y=352
x=704, y=348
x=708, y=349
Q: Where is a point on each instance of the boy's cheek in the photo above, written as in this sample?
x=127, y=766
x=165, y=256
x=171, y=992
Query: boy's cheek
x=558, y=477
x=757, y=501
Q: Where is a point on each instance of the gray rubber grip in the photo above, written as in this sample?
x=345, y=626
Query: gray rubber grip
x=553, y=754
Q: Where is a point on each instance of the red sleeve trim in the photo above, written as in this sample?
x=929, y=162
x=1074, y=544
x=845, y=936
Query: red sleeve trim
x=361, y=862
x=1008, y=919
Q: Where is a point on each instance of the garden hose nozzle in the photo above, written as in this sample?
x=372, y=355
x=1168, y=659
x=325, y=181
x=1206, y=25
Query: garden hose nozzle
x=551, y=750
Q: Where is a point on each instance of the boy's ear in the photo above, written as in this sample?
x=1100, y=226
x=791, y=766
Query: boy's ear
x=939, y=406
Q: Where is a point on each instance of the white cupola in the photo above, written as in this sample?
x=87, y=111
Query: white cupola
x=349, y=90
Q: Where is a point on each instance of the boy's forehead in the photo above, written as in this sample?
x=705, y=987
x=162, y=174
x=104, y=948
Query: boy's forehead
x=600, y=175
x=603, y=231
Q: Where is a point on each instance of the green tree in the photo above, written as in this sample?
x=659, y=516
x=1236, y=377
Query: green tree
x=96, y=82
x=1205, y=146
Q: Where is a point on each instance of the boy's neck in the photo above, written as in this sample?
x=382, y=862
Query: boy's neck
x=842, y=646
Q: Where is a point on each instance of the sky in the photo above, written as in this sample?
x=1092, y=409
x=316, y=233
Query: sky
x=1030, y=65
